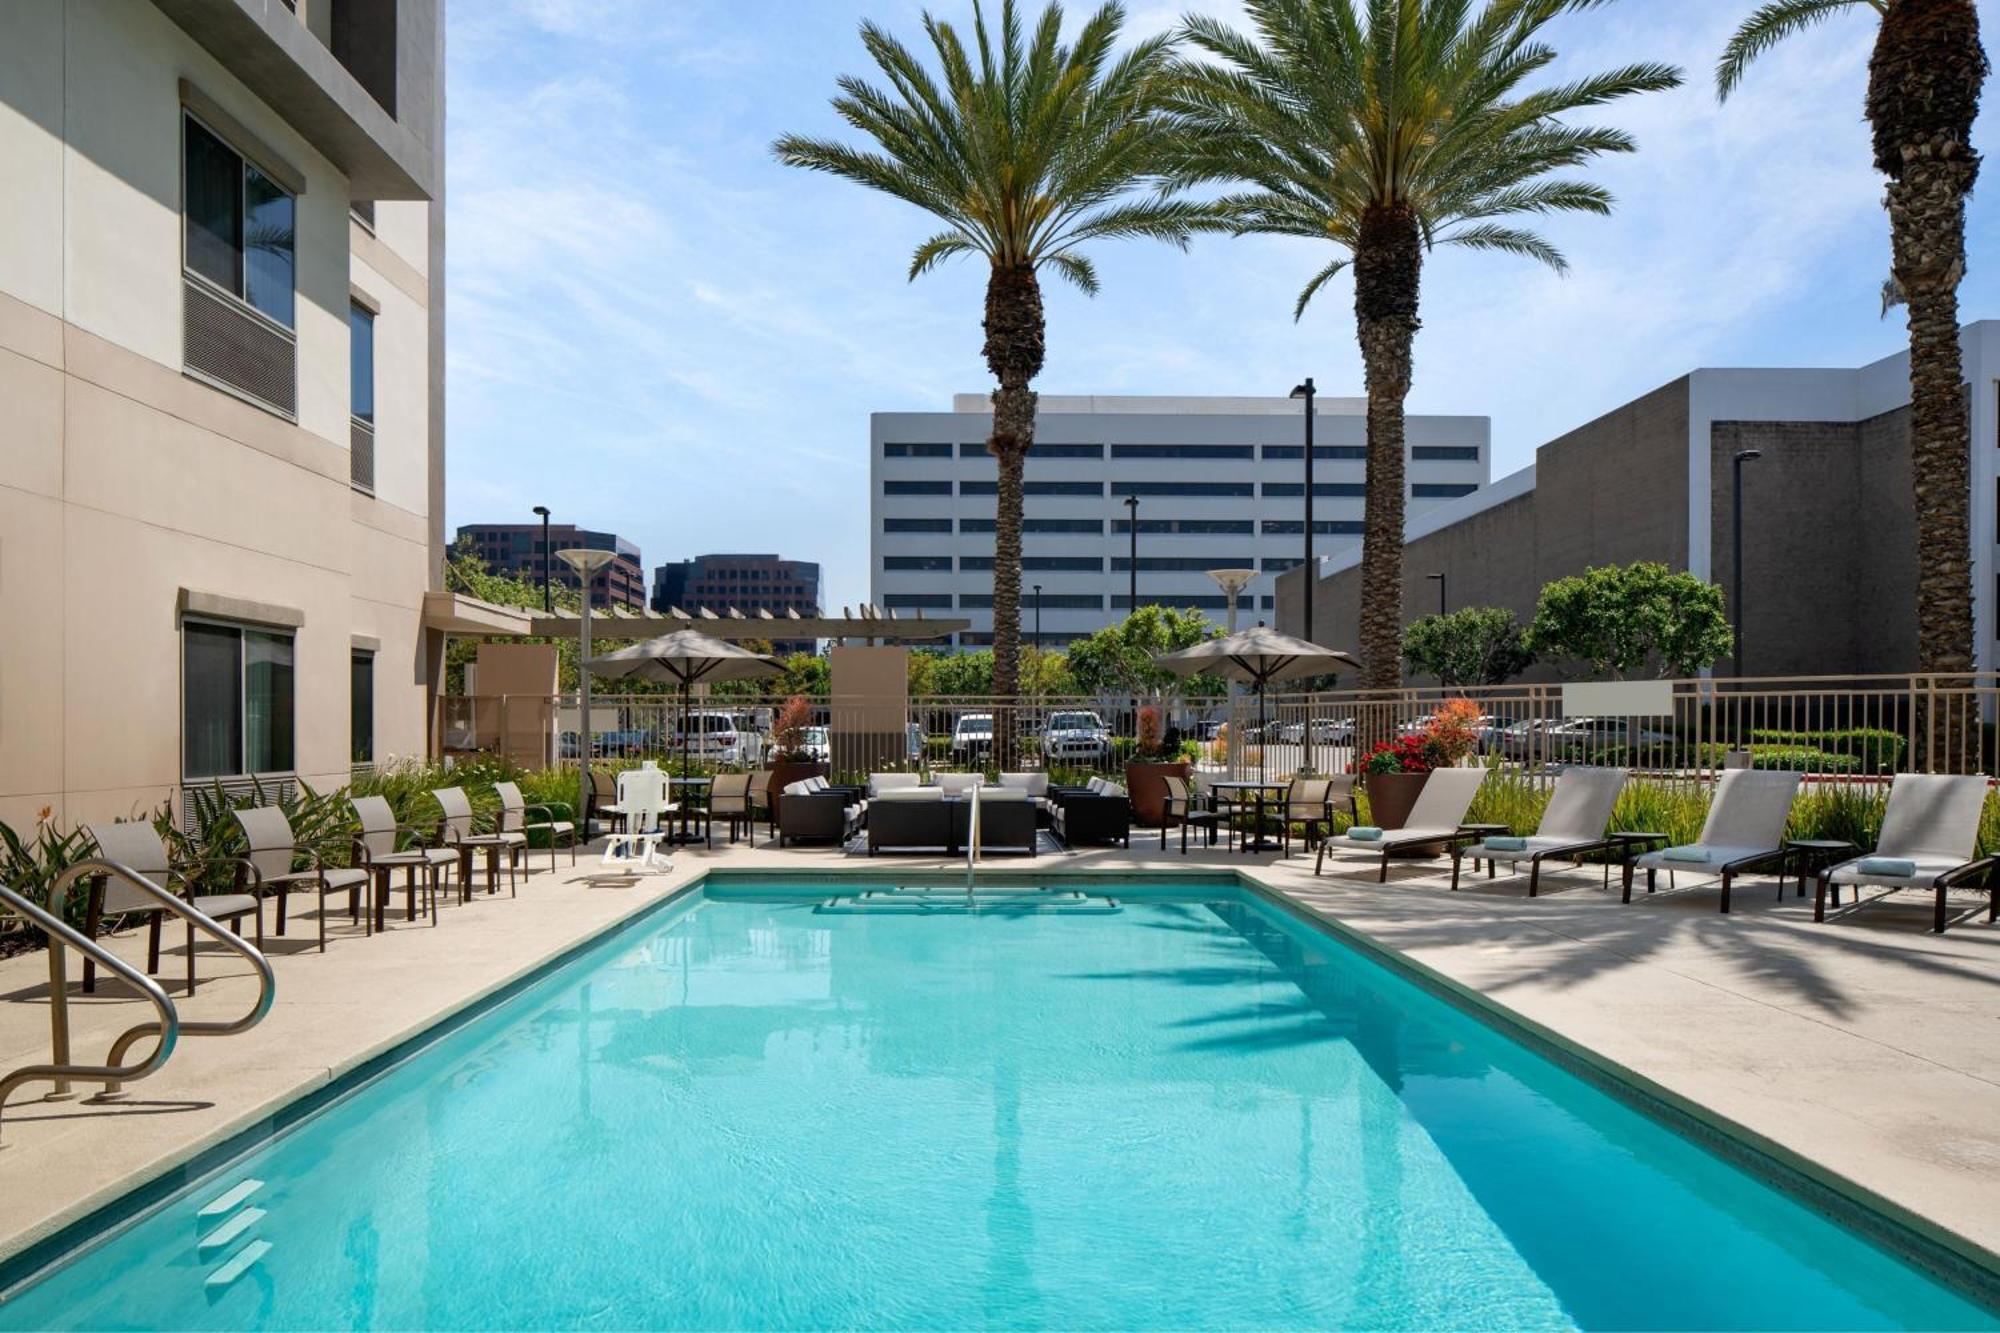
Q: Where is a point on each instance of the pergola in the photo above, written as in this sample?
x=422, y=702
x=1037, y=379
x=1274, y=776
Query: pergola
x=466, y=617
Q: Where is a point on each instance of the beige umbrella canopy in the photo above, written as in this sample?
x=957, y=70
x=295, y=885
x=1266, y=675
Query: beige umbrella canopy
x=685, y=658
x=1256, y=657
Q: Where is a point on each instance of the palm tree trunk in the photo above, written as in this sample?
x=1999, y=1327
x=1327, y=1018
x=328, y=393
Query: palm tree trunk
x=1924, y=83
x=1014, y=347
x=1388, y=272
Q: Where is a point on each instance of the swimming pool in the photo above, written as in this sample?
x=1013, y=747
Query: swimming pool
x=764, y=1107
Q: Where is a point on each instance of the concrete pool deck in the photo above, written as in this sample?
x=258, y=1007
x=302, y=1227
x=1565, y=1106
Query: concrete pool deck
x=1862, y=1051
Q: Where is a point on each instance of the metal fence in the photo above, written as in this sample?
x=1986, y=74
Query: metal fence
x=1854, y=728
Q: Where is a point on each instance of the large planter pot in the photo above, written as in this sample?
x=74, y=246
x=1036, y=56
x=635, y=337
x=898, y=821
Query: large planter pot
x=1146, y=785
x=1391, y=796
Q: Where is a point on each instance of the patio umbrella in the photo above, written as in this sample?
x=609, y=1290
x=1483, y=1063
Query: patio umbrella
x=685, y=658
x=1256, y=657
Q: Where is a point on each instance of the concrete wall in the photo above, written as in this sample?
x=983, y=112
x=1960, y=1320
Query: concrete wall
x=127, y=481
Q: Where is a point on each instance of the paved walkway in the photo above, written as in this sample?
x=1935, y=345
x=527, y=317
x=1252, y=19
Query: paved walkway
x=1863, y=1049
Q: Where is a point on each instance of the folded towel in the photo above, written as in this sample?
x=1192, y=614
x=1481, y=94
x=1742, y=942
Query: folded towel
x=1507, y=843
x=1894, y=867
x=1365, y=833
x=1685, y=854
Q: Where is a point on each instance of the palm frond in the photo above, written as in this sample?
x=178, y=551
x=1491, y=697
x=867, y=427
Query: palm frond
x=1320, y=279
x=1771, y=24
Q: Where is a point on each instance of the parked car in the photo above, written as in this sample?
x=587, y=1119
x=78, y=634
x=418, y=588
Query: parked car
x=1287, y=733
x=916, y=738
x=972, y=738
x=723, y=738
x=1332, y=731
x=1076, y=735
x=816, y=747
x=1582, y=736
x=1207, y=729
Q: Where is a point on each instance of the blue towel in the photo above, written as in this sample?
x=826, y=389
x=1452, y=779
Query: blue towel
x=1685, y=854
x=1894, y=867
x=1507, y=843
x=1365, y=833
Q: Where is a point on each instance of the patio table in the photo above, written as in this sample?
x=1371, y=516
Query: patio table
x=1257, y=793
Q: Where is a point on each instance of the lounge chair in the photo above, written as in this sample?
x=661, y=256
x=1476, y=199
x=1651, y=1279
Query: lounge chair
x=1572, y=826
x=760, y=801
x=729, y=800
x=813, y=810
x=455, y=831
x=908, y=818
x=1745, y=830
x=1929, y=840
x=1007, y=821
x=138, y=846
x=377, y=852
x=1437, y=821
x=273, y=851
x=1037, y=787
x=517, y=816
x=1097, y=813
x=1309, y=803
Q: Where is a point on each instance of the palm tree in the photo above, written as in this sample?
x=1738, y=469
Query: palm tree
x=1924, y=81
x=1387, y=127
x=1026, y=155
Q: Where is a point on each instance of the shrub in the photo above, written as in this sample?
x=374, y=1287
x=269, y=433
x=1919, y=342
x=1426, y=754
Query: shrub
x=1785, y=758
x=788, y=730
x=1878, y=751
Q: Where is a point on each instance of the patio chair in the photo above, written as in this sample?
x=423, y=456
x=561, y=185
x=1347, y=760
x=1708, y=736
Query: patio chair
x=729, y=799
x=377, y=850
x=1572, y=827
x=1097, y=813
x=274, y=850
x=1006, y=821
x=1181, y=808
x=1929, y=840
x=603, y=798
x=1437, y=822
x=906, y=818
x=817, y=813
x=1037, y=786
x=139, y=846
x=517, y=816
x=1745, y=830
x=760, y=800
x=1309, y=803
x=456, y=832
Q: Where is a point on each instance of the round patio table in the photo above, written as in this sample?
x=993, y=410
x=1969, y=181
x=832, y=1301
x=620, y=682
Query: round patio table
x=1258, y=791
x=685, y=834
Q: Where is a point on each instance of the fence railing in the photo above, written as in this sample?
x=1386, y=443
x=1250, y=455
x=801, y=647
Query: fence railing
x=1857, y=728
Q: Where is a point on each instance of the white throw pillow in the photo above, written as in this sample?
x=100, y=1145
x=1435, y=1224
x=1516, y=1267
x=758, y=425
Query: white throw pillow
x=881, y=782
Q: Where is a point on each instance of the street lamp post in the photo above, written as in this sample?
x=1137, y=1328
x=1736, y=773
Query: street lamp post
x=1132, y=584
x=1232, y=582
x=1736, y=542
x=1306, y=392
x=1440, y=583
x=586, y=563
x=1038, y=617
x=548, y=599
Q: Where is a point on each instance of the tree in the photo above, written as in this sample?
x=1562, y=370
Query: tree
x=467, y=573
x=1118, y=659
x=1479, y=645
x=1924, y=82
x=1387, y=127
x=1026, y=155
x=1619, y=618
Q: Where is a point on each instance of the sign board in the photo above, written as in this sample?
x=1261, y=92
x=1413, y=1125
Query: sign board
x=601, y=719
x=1618, y=698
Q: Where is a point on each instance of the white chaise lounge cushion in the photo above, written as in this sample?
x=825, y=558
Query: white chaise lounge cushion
x=882, y=782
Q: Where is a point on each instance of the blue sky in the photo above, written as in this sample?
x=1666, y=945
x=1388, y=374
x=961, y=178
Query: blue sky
x=656, y=329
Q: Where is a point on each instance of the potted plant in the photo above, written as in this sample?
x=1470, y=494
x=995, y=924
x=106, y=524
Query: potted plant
x=790, y=760
x=1393, y=772
x=1150, y=765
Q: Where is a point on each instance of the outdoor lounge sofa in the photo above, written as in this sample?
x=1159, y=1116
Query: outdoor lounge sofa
x=1572, y=826
x=1437, y=822
x=1007, y=820
x=1929, y=840
x=909, y=818
x=814, y=810
x=1099, y=813
x=1745, y=830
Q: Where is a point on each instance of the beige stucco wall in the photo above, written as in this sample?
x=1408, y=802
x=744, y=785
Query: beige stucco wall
x=126, y=481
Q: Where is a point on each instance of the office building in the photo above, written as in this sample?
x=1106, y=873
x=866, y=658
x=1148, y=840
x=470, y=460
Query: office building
x=1220, y=484
x=1829, y=514
x=221, y=354
x=515, y=549
x=748, y=583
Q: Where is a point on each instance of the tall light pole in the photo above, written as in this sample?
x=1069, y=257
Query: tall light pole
x=1232, y=582
x=1038, y=618
x=1736, y=542
x=1306, y=392
x=1132, y=586
x=586, y=563
x=1440, y=583
x=548, y=601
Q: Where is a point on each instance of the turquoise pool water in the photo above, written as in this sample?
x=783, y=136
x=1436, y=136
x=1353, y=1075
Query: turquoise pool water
x=751, y=1111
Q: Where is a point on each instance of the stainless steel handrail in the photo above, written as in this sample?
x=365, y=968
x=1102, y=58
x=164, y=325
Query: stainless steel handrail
x=60, y=1071
x=972, y=839
x=267, y=981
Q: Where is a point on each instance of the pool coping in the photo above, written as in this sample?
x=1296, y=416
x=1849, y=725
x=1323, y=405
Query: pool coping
x=1952, y=1259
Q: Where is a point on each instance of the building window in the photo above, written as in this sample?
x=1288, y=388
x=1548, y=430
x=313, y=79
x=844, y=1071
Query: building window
x=1203, y=601
x=1085, y=525
x=913, y=600
x=361, y=705
x=1180, y=564
x=1333, y=527
x=238, y=225
x=1278, y=564
x=1328, y=453
x=976, y=525
x=900, y=449
x=1208, y=488
x=916, y=525
x=1441, y=490
x=236, y=701
x=974, y=563
x=911, y=563
x=1071, y=564
x=916, y=488
x=1037, y=450
x=1034, y=488
x=1445, y=453
x=361, y=362
x=1210, y=451
x=1187, y=527
x=1321, y=489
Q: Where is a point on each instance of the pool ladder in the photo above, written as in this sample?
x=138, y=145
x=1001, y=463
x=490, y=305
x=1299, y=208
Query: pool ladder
x=167, y=1027
x=972, y=839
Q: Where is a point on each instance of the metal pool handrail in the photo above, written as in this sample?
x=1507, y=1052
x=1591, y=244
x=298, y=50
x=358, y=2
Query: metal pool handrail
x=972, y=838
x=60, y=1071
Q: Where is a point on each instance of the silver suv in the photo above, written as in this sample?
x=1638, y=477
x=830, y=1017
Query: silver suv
x=1076, y=736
